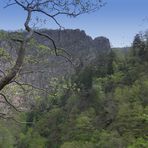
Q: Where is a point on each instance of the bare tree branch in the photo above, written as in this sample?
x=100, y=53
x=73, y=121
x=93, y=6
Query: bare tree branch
x=10, y=104
x=55, y=48
x=1, y=71
x=17, y=40
x=29, y=85
x=48, y=37
x=51, y=9
x=9, y=5
x=20, y=4
x=51, y=16
x=21, y=55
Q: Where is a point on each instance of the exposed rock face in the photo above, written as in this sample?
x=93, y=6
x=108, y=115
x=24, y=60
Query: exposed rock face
x=101, y=44
x=81, y=47
x=76, y=41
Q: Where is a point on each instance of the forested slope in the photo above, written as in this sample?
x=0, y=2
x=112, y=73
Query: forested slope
x=104, y=105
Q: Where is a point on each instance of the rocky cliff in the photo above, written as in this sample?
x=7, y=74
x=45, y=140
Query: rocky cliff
x=81, y=48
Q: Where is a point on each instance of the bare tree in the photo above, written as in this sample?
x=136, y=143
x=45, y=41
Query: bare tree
x=51, y=9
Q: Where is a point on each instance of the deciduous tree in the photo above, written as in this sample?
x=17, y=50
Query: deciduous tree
x=51, y=9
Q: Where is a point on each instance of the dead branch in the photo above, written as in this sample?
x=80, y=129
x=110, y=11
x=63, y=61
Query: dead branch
x=30, y=85
x=8, y=103
x=55, y=47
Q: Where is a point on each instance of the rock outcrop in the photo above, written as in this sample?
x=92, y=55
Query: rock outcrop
x=81, y=47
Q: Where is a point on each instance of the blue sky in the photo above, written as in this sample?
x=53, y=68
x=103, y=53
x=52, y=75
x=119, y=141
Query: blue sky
x=119, y=20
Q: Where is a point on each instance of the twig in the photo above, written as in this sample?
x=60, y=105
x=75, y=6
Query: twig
x=11, y=105
x=55, y=48
x=9, y=5
x=17, y=40
x=48, y=37
x=29, y=85
x=2, y=72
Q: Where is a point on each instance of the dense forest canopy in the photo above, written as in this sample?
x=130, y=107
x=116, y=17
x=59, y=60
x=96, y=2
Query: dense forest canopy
x=102, y=105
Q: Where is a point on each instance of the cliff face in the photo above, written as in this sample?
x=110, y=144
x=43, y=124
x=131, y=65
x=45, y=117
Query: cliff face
x=76, y=41
x=82, y=48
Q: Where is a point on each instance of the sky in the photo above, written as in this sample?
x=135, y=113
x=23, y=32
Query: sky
x=118, y=20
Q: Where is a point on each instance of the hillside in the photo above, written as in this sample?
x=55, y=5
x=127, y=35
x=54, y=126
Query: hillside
x=104, y=104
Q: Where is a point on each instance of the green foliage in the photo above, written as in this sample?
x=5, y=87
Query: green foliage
x=31, y=140
x=84, y=78
x=3, y=35
x=140, y=47
x=139, y=143
x=103, y=106
x=77, y=144
x=6, y=138
x=4, y=55
x=109, y=140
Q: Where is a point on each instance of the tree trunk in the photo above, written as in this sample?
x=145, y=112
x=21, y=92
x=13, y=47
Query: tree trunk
x=13, y=72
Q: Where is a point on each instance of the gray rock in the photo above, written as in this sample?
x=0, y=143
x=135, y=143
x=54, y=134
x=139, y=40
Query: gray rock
x=82, y=48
